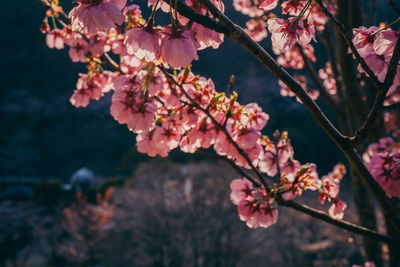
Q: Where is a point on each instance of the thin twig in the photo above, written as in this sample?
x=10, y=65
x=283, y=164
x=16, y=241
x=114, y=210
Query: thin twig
x=340, y=223
x=230, y=85
x=112, y=63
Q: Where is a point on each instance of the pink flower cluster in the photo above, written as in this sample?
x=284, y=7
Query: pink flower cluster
x=176, y=45
x=247, y=7
x=291, y=58
x=84, y=47
x=376, y=47
x=256, y=29
x=383, y=161
x=287, y=32
x=254, y=204
x=302, y=80
x=91, y=86
x=328, y=78
x=91, y=16
x=306, y=178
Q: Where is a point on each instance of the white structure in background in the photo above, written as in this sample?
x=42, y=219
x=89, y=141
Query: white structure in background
x=82, y=179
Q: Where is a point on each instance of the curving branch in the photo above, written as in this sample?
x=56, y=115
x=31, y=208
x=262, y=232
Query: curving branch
x=340, y=223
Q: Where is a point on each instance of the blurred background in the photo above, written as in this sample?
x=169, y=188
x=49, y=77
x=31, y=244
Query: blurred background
x=135, y=210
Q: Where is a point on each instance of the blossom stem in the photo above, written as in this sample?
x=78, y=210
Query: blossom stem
x=151, y=19
x=386, y=27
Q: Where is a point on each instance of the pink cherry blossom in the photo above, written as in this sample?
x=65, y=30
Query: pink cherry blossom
x=96, y=15
x=178, y=48
x=256, y=29
x=91, y=86
x=129, y=107
x=293, y=7
x=146, y=145
x=286, y=33
x=167, y=137
x=144, y=43
x=336, y=210
x=248, y=8
x=247, y=138
x=255, y=117
x=268, y=4
x=257, y=214
x=268, y=164
x=55, y=39
x=240, y=189
x=363, y=39
x=206, y=37
x=291, y=58
x=385, y=42
x=328, y=79
x=385, y=168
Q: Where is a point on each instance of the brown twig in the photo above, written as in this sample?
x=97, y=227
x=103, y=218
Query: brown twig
x=230, y=85
x=340, y=223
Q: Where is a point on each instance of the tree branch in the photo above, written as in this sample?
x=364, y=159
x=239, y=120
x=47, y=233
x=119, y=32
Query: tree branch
x=340, y=223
